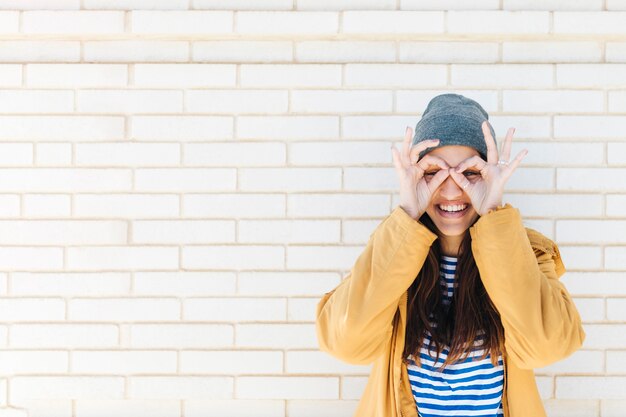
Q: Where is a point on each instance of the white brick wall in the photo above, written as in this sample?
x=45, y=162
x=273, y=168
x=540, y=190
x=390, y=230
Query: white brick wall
x=183, y=179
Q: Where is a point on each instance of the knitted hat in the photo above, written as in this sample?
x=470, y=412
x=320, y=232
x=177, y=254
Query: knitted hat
x=454, y=120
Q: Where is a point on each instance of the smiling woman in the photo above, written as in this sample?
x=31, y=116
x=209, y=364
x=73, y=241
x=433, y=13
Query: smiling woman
x=453, y=300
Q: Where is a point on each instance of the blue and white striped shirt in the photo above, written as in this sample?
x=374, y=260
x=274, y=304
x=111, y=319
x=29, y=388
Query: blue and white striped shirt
x=470, y=387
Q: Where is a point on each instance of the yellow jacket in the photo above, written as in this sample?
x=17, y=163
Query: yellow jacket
x=363, y=319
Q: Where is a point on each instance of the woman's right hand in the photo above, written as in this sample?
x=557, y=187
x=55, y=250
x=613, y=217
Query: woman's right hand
x=416, y=189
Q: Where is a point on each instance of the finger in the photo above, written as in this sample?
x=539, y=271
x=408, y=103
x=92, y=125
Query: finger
x=421, y=146
x=429, y=160
x=492, y=151
x=472, y=161
x=461, y=181
x=396, y=161
x=513, y=165
x=438, y=179
x=408, y=134
x=506, y=146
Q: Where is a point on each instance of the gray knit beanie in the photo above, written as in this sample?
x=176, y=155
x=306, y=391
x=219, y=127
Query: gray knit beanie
x=454, y=120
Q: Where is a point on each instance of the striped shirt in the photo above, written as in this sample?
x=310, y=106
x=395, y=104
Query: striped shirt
x=470, y=387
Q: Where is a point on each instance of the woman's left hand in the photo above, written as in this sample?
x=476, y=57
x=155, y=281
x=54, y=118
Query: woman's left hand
x=486, y=192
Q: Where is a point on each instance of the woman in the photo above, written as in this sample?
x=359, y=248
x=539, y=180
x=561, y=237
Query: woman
x=453, y=300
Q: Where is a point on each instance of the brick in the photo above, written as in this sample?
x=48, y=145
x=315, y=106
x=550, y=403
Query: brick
x=289, y=179
x=56, y=154
x=31, y=259
x=552, y=52
x=235, y=408
x=590, y=309
x=612, y=408
x=616, y=153
x=303, y=309
x=234, y=362
x=282, y=22
x=357, y=231
x=242, y=51
x=127, y=408
x=558, y=153
x=502, y=75
x=32, y=309
x=130, y=101
x=10, y=206
x=337, y=205
x=182, y=283
x=617, y=103
x=288, y=231
x=590, y=179
x=46, y=205
x=339, y=154
x=344, y=51
x=241, y=205
x=316, y=362
x=73, y=22
x=417, y=101
x=288, y=128
x=10, y=75
x=345, y=4
x=333, y=101
x=40, y=4
x=616, y=309
x=238, y=154
x=64, y=180
x=604, y=336
x=9, y=22
x=615, y=361
x=125, y=205
x=243, y=4
x=175, y=179
x=557, y=205
x=16, y=154
x=127, y=154
x=124, y=309
x=545, y=386
x=292, y=387
x=70, y=284
x=183, y=231
x=41, y=361
x=180, y=387
x=615, y=205
x=591, y=231
x=66, y=387
x=334, y=257
x=376, y=127
x=83, y=128
x=184, y=75
x=329, y=408
x=64, y=335
x=136, y=51
x=395, y=22
x=590, y=75
x=581, y=361
x=449, y=52
x=181, y=22
x=236, y=101
x=76, y=75
x=553, y=101
x=279, y=336
x=135, y=4
x=594, y=283
x=449, y=4
x=286, y=283
x=581, y=257
x=181, y=336
x=571, y=408
x=615, y=5
x=301, y=75
x=591, y=22
x=241, y=257
x=51, y=232
x=122, y=258
x=615, y=52
x=370, y=179
x=39, y=51
x=353, y=387
x=181, y=128
x=552, y=5
x=590, y=387
x=498, y=21
x=235, y=309
x=395, y=75
x=128, y=362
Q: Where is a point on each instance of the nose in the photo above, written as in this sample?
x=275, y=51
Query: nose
x=450, y=190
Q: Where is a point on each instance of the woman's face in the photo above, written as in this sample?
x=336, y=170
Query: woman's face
x=449, y=194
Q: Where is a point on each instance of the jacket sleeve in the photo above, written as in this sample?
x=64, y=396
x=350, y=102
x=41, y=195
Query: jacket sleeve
x=354, y=321
x=520, y=269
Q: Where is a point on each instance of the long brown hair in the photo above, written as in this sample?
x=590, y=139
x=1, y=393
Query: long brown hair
x=470, y=312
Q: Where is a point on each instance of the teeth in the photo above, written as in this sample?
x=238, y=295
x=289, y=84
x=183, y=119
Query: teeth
x=453, y=208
